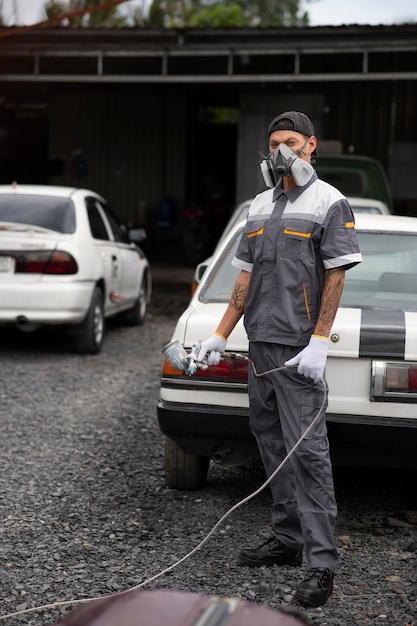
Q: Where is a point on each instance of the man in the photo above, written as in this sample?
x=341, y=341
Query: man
x=297, y=243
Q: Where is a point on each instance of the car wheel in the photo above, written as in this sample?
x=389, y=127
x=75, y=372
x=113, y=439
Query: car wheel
x=136, y=315
x=184, y=471
x=89, y=336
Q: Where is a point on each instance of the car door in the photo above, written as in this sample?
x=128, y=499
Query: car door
x=111, y=265
x=127, y=256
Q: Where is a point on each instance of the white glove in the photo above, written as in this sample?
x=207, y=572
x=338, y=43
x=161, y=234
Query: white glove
x=214, y=345
x=311, y=360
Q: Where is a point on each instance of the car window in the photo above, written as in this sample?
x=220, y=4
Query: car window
x=240, y=213
x=386, y=278
x=53, y=213
x=350, y=183
x=219, y=283
x=119, y=231
x=97, y=225
x=371, y=210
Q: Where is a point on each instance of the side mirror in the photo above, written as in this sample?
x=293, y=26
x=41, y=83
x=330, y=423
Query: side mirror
x=137, y=235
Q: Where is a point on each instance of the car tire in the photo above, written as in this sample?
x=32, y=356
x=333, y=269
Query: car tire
x=89, y=335
x=136, y=315
x=184, y=471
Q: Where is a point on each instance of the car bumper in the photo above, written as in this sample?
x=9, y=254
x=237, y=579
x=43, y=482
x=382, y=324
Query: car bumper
x=48, y=303
x=220, y=432
x=224, y=435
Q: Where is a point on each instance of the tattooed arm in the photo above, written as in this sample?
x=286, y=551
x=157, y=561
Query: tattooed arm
x=334, y=281
x=236, y=306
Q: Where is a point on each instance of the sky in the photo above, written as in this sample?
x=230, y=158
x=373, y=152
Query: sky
x=321, y=12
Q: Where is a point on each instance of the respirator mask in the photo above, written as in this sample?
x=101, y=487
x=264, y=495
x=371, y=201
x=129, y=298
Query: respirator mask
x=285, y=162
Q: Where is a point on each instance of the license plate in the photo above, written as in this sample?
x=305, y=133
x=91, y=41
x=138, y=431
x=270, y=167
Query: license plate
x=6, y=264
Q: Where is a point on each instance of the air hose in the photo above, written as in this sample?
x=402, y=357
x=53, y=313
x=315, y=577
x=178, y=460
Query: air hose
x=67, y=603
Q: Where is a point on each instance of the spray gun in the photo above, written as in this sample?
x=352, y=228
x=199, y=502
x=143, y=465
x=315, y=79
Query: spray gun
x=181, y=360
x=192, y=360
x=176, y=354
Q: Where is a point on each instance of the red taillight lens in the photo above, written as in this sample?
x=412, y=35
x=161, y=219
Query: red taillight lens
x=61, y=263
x=45, y=262
x=412, y=378
x=229, y=368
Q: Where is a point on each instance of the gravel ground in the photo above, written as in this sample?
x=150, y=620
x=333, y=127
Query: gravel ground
x=85, y=510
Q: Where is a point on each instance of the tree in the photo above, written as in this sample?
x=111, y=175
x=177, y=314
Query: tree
x=109, y=17
x=218, y=15
x=180, y=13
x=214, y=13
x=279, y=13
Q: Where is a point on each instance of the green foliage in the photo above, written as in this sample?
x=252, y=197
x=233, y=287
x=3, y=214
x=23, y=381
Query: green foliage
x=110, y=17
x=182, y=14
x=214, y=13
x=218, y=16
x=269, y=13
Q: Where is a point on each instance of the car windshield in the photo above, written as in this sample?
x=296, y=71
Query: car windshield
x=387, y=277
x=53, y=213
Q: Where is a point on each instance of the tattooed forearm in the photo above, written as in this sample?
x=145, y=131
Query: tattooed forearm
x=332, y=292
x=236, y=306
x=238, y=298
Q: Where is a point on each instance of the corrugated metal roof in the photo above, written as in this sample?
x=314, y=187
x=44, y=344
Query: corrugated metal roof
x=311, y=54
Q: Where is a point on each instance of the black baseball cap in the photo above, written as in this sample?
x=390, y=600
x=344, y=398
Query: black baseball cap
x=292, y=120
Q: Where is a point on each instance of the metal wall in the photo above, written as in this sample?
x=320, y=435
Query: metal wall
x=126, y=146
x=257, y=110
x=375, y=119
x=126, y=99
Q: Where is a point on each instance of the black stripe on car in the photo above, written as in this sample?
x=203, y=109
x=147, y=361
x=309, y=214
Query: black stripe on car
x=382, y=334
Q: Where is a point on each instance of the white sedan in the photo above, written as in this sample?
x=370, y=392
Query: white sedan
x=66, y=261
x=371, y=369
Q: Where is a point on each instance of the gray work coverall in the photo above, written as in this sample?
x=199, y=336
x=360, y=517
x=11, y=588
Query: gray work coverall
x=289, y=240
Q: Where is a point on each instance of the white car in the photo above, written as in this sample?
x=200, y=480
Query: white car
x=371, y=369
x=67, y=262
x=367, y=205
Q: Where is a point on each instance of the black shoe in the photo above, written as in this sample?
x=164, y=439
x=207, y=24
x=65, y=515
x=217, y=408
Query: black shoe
x=271, y=552
x=316, y=587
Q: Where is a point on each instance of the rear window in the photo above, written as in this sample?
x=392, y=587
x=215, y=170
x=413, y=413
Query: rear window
x=386, y=278
x=348, y=182
x=48, y=212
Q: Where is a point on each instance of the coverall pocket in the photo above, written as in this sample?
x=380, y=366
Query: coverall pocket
x=254, y=231
x=293, y=240
x=310, y=410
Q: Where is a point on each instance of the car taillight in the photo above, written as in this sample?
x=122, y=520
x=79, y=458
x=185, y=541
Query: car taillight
x=230, y=368
x=394, y=381
x=168, y=370
x=45, y=262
